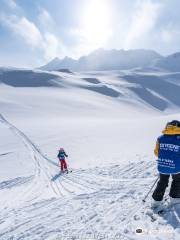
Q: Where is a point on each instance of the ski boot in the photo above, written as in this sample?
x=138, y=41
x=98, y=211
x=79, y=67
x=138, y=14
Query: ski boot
x=174, y=201
x=155, y=204
x=66, y=171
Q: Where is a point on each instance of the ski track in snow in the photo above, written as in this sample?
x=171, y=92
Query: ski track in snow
x=41, y=169
x=86, y=202
x=6, y=153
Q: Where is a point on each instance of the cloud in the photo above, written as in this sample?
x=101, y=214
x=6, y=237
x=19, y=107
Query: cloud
x=39, y=34
x=46, y=42
x=45, y=19
x=94, y=28
x=51, y=46
x=22, y=27
x=167, y=39
x=11, y=4
x=170, y=34
x=143, y=21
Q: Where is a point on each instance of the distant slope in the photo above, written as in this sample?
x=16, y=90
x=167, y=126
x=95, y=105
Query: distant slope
x=26, y=78
x=106, y=60
x=56, y=64
x=170, y=63
x=135, y=90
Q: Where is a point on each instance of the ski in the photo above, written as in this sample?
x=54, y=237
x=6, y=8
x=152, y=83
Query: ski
x=153, y=214
x=67, y=172
x=168, y=208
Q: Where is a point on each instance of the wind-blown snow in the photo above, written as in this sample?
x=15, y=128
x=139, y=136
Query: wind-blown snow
x=108, y=123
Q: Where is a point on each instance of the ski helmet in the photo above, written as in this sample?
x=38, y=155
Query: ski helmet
x=61, y=149
x=175, y=123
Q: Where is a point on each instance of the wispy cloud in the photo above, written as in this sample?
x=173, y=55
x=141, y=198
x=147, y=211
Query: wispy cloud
x=170, y=34
x=52, y=46
x=76, y=29
x=143, y=21
x=11, y=3
x=30, y=33
x=94, y=29
x=168, y=38
x=45, y=19
x=22, y=27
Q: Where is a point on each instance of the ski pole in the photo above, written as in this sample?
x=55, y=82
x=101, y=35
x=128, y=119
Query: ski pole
x=144, y=200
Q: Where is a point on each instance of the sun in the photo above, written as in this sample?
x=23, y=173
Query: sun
x=96, y=22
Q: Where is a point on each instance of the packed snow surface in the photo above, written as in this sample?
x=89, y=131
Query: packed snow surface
x=108, y=123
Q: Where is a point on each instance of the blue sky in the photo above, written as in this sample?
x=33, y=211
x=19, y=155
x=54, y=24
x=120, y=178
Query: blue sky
x=32, y=32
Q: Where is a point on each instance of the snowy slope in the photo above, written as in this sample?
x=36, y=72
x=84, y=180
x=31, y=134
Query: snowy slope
x=108, y=123
x=133, y=89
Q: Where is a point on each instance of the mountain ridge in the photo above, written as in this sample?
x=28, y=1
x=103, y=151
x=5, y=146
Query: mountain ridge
x=102, y=59
x=170, y=62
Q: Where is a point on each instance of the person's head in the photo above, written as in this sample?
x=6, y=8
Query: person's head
x=61, y=149
x=173, y=123
x=172, y=128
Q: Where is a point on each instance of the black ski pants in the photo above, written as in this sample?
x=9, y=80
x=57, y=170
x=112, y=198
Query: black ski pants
x=162, y=184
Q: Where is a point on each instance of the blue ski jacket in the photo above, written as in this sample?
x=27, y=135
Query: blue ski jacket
x=62, y=155
x=168, y=151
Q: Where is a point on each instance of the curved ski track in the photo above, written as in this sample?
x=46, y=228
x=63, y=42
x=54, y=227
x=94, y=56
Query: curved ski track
x=82, y=204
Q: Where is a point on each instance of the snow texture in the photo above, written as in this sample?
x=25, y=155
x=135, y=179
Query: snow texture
x=108, y=123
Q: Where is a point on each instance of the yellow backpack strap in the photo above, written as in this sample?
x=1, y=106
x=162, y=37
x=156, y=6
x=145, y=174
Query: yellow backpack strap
x=156, y=150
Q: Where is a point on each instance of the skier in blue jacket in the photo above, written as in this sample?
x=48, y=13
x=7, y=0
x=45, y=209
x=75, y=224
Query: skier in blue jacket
x=62, y=159
x=168, y=152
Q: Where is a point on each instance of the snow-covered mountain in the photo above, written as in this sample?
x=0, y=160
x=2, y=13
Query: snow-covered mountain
x=108, y=123
x=57, y=64
x=106, y=60
x=169, y=63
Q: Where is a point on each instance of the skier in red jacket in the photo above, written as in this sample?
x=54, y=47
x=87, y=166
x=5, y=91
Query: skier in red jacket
x=62, y=159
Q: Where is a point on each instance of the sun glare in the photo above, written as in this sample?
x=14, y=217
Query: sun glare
x=96, y=22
